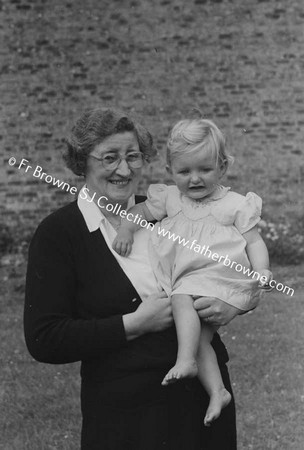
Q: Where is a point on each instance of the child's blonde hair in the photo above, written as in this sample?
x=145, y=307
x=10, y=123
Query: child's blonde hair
x=191, y=134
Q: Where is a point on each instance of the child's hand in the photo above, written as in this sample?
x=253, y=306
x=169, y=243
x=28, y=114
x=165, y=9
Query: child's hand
x=122, y=244
x=264, y=284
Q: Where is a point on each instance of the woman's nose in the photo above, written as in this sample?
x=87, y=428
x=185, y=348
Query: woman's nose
x=123, y=169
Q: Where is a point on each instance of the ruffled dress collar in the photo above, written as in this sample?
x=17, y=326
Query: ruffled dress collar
x=218, y=193
x=196, y=210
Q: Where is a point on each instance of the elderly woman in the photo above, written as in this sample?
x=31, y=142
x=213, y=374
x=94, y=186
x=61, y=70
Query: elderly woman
x=86, y=303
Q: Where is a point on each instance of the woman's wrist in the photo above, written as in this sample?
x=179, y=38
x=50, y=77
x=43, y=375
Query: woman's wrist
x=133, y=325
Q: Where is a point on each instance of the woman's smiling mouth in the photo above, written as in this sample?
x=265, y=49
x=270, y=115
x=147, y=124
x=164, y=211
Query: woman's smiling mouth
x=119, y=182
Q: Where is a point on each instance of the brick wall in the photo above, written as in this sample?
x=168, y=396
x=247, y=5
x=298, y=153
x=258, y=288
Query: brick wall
x=240, y=61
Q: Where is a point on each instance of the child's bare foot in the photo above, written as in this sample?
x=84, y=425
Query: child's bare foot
x=182, y=369
x=218, y=401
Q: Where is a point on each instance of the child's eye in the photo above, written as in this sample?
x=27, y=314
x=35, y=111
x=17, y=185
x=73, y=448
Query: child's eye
x=184, y=172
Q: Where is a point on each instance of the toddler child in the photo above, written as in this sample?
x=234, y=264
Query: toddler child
x=216, y=241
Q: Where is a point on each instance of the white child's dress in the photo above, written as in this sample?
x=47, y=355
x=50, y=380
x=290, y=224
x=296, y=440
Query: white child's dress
x=213, y=229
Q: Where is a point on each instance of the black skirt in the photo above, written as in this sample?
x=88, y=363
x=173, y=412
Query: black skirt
x=137, y=413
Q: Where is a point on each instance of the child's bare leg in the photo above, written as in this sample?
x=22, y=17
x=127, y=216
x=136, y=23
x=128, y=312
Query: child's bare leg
x=188, y=330
x=210, y=376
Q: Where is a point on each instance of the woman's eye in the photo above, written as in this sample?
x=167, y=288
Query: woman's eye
x=134, y=156
x=109, y=159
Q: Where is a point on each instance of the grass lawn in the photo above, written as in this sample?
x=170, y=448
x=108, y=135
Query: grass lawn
x=40, y=403
x=266, y=350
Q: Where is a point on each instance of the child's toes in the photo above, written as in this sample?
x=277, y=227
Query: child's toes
x=208, y=420
x=166, y=380
x=170, y=377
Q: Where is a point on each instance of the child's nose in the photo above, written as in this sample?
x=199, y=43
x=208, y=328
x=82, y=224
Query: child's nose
x=195, y=178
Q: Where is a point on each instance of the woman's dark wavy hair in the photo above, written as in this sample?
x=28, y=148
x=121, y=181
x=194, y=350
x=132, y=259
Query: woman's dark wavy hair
x=93, y=127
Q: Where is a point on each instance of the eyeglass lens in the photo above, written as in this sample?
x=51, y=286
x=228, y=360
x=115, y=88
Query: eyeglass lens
x=134, y=160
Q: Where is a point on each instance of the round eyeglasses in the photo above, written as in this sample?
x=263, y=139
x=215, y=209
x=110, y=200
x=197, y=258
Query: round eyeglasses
x=135, y=160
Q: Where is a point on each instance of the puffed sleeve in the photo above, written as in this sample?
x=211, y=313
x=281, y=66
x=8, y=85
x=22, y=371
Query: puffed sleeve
x=157, y=200
x=248, y=213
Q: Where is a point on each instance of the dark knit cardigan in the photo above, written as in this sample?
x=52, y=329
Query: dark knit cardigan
x=76, y=295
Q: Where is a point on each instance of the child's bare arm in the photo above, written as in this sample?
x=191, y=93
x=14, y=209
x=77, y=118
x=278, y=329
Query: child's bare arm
x=258, y=255
x=122, y=244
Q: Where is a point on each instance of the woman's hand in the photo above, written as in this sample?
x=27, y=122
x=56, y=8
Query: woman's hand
x=122, y=243
x=215, y=311
x=153, y=314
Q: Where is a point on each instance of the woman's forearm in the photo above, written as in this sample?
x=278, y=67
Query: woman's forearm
x=132, y=326
x=61, y=340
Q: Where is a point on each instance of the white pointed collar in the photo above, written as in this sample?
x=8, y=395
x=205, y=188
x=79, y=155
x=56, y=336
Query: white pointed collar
x=92, y=214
